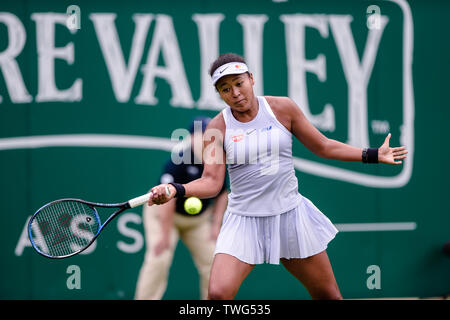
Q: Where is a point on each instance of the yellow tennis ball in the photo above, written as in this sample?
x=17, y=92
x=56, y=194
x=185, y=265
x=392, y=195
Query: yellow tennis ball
x=193, y=205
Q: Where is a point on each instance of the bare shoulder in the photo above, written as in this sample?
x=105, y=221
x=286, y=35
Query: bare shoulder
x=218, y=122
x=284, y=109
x=275, y=101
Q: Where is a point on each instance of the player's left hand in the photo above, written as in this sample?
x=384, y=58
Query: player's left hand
x=391, y=155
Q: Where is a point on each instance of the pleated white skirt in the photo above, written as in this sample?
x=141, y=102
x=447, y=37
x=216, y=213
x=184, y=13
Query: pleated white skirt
x=299, y=233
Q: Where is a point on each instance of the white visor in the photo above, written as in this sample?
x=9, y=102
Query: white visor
x=228, y=68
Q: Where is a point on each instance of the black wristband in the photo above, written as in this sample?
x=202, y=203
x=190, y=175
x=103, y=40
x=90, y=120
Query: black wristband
x=181, y=191
x=370, y=155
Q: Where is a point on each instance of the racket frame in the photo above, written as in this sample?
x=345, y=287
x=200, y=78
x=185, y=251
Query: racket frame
x=93, y=205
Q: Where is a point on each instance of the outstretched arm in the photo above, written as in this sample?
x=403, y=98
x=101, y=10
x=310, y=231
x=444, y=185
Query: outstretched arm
x=324, y=147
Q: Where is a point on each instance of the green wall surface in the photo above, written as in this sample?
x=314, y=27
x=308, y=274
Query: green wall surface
x=89, y=113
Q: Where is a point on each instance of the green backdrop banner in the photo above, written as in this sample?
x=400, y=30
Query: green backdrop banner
x=90, y=96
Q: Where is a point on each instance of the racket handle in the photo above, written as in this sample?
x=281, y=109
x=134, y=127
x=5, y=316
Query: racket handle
x=138, y=201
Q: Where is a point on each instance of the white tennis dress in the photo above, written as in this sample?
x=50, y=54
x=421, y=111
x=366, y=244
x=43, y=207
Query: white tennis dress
x=267, y=218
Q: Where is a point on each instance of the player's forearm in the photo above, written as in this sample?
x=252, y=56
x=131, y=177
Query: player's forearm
x=336, y=150
x=202, y=188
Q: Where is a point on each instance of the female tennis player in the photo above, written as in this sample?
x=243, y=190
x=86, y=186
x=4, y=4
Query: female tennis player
x=267, y=219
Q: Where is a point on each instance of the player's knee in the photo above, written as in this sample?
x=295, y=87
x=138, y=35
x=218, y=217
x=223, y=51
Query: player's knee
x=217, y=295
x=328, y=293
x=335, y=295
x=219, y=292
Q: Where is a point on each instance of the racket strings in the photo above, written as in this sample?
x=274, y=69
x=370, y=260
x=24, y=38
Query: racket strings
x=63, y=228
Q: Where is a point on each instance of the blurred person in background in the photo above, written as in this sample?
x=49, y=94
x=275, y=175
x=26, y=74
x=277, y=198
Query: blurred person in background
x=164, y=225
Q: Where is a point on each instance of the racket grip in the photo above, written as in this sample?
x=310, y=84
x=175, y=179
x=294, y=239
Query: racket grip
x=138, y=201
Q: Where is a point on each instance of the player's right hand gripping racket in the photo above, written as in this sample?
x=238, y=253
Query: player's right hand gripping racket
x=66, y=227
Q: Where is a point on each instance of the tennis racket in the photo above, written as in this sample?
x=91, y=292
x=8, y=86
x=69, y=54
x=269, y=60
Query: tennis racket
x=66, y=227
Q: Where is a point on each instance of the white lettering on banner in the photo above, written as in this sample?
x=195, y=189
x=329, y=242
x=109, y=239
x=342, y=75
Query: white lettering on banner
x=357, y=74
x=208, y=31
x=253, y=26
x=8, y=64
x=165, y=42
x=380, y=126
x=82, y=233
x=122, y=228
x=208, y=34
x=47, y=53
x=298, y=65
x=122, y=77
x=24, y=241
x=136, y=236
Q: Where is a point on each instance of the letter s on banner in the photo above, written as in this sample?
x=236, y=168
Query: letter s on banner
x=131, y=233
